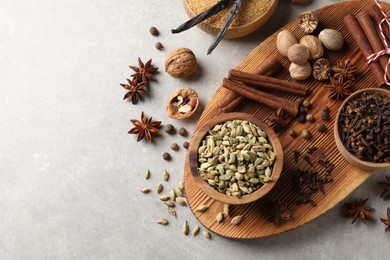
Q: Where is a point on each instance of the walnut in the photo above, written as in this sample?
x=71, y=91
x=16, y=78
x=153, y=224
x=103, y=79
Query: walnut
x=308, y=21
x=331, y=39
x=181, y=63
x=298, y=54
x=314, y=45
x=321, y=69
x=300, y=72
x=182, y=103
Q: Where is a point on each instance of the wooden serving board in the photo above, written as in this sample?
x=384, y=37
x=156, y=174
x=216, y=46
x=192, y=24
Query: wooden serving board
x=346, y=178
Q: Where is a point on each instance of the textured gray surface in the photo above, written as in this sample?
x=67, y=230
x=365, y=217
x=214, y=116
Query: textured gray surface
x=70, y=174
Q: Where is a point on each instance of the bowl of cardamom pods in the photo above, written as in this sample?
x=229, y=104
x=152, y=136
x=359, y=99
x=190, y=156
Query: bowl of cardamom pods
x=362, y=129
x=235, y=158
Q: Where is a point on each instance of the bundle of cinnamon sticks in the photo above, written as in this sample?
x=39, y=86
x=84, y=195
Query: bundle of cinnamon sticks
x=247, y=85
x=364, y=28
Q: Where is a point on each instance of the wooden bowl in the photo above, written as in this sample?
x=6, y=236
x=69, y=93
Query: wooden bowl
x=210, y=191
x=236, y=31
x=354, y=160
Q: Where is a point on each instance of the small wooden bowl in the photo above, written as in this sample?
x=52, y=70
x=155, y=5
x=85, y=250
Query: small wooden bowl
x=210, y=191
x=237, y=31
x=354, y=160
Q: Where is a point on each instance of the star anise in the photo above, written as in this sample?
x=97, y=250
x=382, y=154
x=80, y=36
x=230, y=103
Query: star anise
x=144, y=72
x=386, y=187
x=279, y=214
x=344, y=69
x=358, y=209
x=386, y=221
x=338, y=89
x=136, y=90
x=278, y=120
x=145, y=128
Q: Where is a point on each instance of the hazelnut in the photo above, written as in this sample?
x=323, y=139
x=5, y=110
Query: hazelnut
x=181, y=63
x=308, y=22
x=300, y=72
x=314, y=45
x=284, y=41
x=182, y=103
x=331, y=39
x=298, y=54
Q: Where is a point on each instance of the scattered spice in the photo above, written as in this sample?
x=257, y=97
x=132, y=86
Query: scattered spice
x=310, y=117
x=175, y=147
x=169, y=129
x=195, y=230
x=386, y=221
x=321, y=127
x=144, y=72
x=136, y=90
x=325, y=108
x=278, y=120
x=345, y=70
x=358, y=209
x=145, y=190
x=313, y=176
x=219, y=217
x=386, y=187
x=185, y=228
x=292, y=133
x=324, y=115
x=153, y=31
x=167, y=156
x=162, y=221
x=172, y=212
x=201, y=208
x=301, y=118
x=145, y=128
x=159, y=46
x=306, y=134
x=183, y=131
x=279, y=213
x=147, y=174
x=364, y=127
x=207, y=234
x=165, y=175
x=339, y=88
x=159, y=188
x=236, y=220
x=186, y=145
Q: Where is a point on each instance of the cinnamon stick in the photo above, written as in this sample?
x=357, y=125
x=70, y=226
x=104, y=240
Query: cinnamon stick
x=268, y=67
x=267, y=82
x=377, y=16
x=373, y=38
x=266, y=99
x=361, y=40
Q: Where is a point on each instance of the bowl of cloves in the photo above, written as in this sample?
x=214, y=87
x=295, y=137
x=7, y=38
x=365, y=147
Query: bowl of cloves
x=235, y=158
x=362, y=129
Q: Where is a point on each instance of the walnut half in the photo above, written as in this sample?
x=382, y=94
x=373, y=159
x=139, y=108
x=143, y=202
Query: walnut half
x=182, y=103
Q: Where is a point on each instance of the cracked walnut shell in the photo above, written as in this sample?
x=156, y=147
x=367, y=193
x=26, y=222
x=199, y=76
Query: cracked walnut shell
x=181, y=63
x=182, y=103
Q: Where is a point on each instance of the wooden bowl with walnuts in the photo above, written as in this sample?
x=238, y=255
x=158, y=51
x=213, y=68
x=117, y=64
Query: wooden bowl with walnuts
x=235, y=158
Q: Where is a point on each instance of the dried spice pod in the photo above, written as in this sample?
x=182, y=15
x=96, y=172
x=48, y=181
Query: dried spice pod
x=182, y=103
x=181, y=63
x=308, y=22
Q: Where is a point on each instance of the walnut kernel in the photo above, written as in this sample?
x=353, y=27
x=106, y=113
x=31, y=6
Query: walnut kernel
x=182, y=103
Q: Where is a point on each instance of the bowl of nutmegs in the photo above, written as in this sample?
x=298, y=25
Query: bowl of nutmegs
x=362, y=129
x=250, y=17
x=236, y=158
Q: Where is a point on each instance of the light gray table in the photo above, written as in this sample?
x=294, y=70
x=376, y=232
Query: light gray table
x=70, y=175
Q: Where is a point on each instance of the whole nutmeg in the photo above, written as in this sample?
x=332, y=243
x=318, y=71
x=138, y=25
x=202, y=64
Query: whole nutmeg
x=181, y=63
x=298, y=54
x=182, y=103
x=331, y=39
x=300, y=72
x=314, y=45
x=284, y=41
